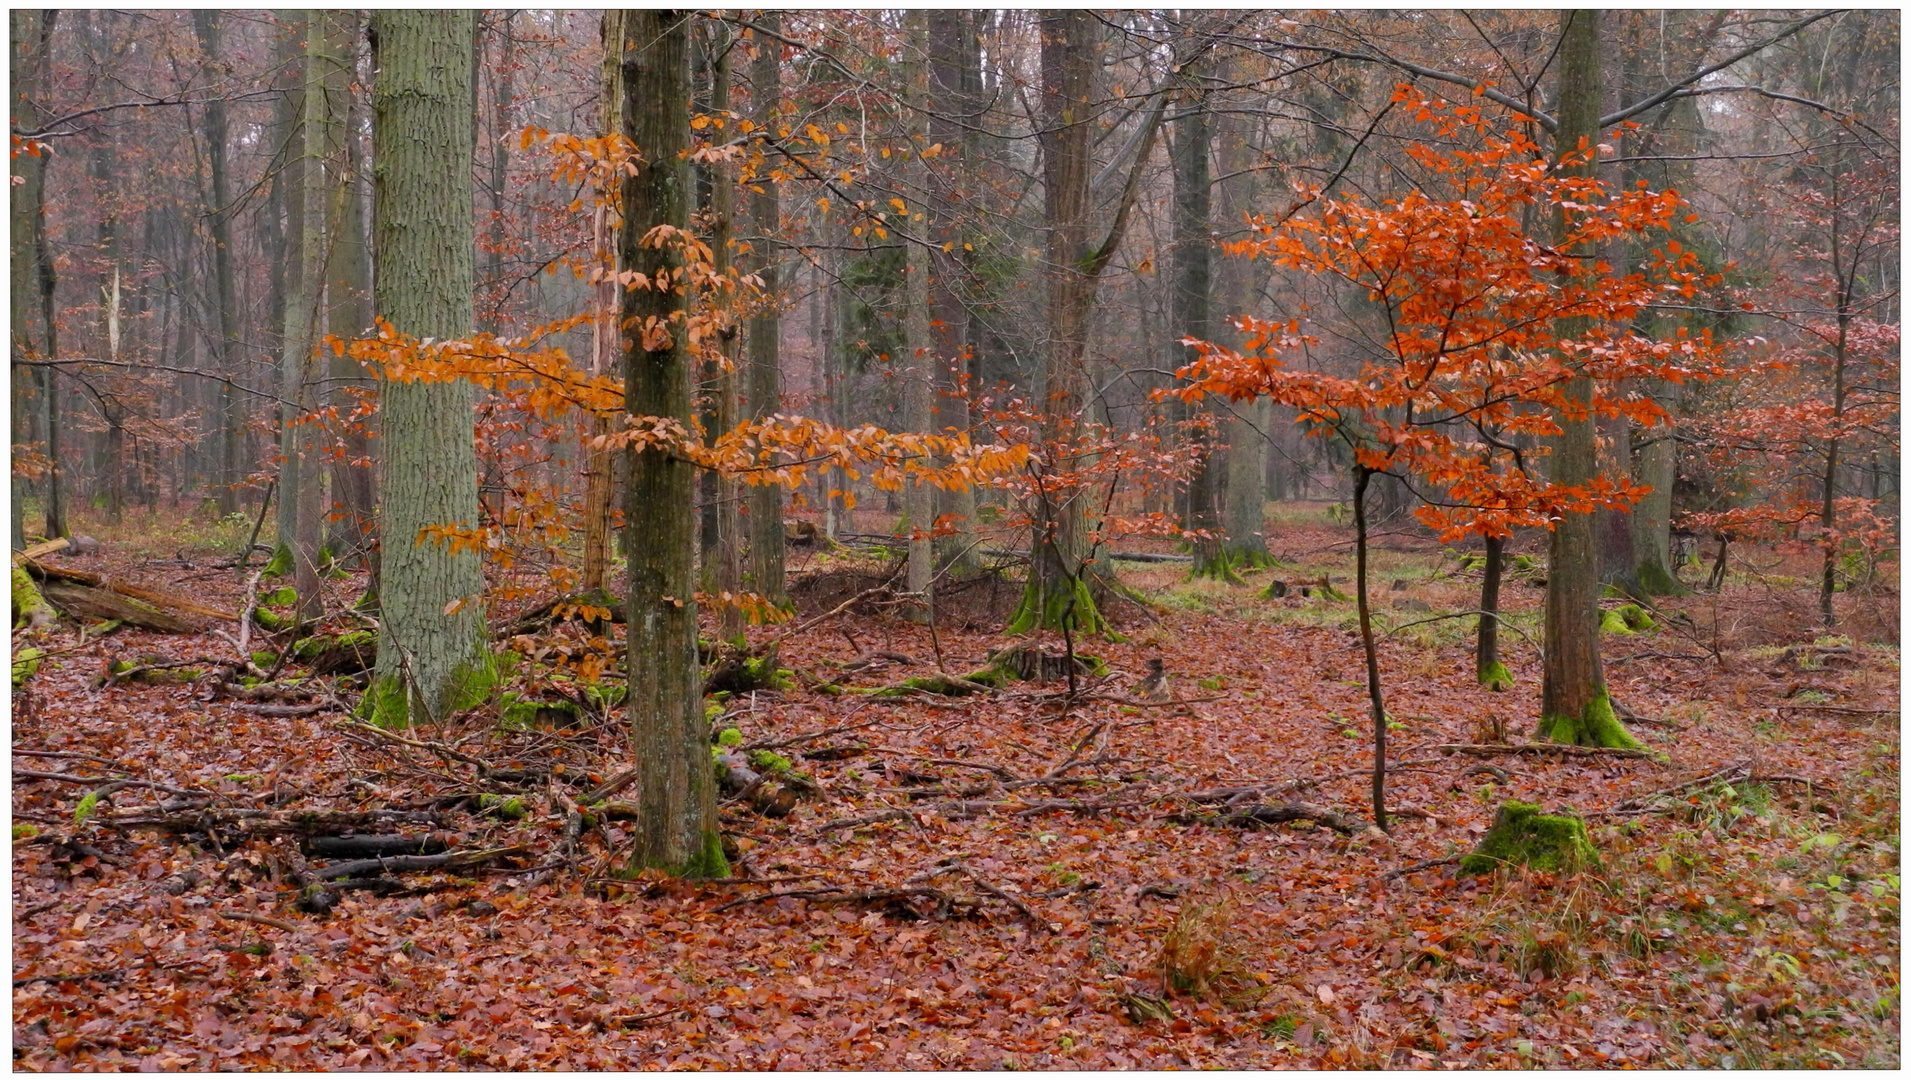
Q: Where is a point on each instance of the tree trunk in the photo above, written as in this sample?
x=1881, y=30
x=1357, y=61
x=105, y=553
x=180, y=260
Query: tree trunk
x=1193, y=278
x=300, y=479
x=25, y=41
x=348, y=282
x=1058, y=595
x=676, y=787
x=918, y=350
x=763, y=389
x=1377, y=708
x=1245, y=510
x=953, y=90
x=433, y=657
x=604, y=335
x=1486, y=662
x=207, y=24
x=1574, y=706
x=723, y=540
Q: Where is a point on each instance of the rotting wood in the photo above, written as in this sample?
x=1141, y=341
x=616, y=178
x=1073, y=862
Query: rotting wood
x=402, y=864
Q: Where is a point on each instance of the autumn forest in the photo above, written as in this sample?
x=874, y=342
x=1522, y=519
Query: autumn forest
x=959, y=539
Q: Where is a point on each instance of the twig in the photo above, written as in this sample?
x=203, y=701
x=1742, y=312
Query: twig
x=262, y=920
x=641, y=1018
x=405, y=863
x=1003, y=896
x=67, y=778
x=1419, y=866
x=1543, y=749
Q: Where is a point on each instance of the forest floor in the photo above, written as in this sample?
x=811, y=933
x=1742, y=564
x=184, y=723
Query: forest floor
x=1015, y=908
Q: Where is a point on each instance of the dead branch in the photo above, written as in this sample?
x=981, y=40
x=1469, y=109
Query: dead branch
x=833, y=894
x=1419, y=866
x=1541, y=749
x=402, y=864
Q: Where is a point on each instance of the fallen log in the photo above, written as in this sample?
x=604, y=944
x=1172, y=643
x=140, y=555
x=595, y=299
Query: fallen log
x=1541, y=749
x=401, y=864
x=251, y=823
x=168, y=601
x=1264, y=814
x=375, y=845
x=88, y=602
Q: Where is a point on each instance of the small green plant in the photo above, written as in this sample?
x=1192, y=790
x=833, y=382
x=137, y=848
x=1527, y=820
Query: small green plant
x=731, y=737
x=1281, y=1027
x=85, y=809
x=23, y=830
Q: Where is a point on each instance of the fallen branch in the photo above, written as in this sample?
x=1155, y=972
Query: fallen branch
x=1541, y=749
x=288, y=710
x=402, y=864
x=834, y=894
x=261, y=920
x=1419, y=866
x=109, y=975
x=119, y=781
x=1005, y=897
x=251, y=823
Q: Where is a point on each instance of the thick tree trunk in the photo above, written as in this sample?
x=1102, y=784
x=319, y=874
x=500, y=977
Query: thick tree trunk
x=1059, y=596
x=1652, y=517
x=433, y=657
x=918, y=349
x=224, y=288
x=1193, y=305
x=676, y=786
x=1574, y=706
x=763, y=387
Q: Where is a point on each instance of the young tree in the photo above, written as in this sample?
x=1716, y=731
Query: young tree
x=676, y=788
x=433, y=656
x=300, y=480
x=224, y=291
x=918, y=348
x=764, y=335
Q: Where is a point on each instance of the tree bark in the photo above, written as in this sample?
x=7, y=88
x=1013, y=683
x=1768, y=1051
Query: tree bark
x=348, y=282
x=25, y=41
x=1368, y=650
x=954, y=86
x=676, y=786
x=433, y=657
x=1574, y=706
x=723, y=540
x=207, y=24
x=1193, y=305
x=918, y=349
x=1486, y=661
x=598, y=463
x=300, y=480
x=764, y=334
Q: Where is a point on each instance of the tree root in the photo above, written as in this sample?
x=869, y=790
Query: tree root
x=1542, y=749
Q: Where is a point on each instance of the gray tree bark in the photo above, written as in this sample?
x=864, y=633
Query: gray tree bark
x=207, y=24
x=918, y=349
x=763, y=388
x=433, y=657
x=348, y=283
x=676, y=787
x=300, y=481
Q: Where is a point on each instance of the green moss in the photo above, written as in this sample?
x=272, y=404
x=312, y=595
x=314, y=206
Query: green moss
x=994, y=676
x=929, y=684
x=22, y=831
x=1495, y=677
x=1522, y=836
x=272, y=622
x=283, y=596
x=1217, y=568
x=1068, y=604
x=308, y=649
x=1637, y=618
x=730, y=736
x=520, y=713
x=510, y=808
x=1597, y=726
x=85, y=809
x=1656, y=580
x=1611, y=622
x=26, y=664
x=1248, y=557
x=606, y=695
x=265, y=658
x=281, y=563
x=709, y=862
x=769, y=761
x=28, y=605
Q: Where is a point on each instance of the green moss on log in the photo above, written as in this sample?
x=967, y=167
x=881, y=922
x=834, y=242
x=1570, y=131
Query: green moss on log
x=510, y=808
x=1522, y=836
x=26, y=664
x=29, y=607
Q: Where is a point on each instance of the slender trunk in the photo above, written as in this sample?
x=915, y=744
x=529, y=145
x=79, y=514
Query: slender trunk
x=1492, y=673
x=1193, y=278
x=207, y=24
x=1827, y=513
x=433, y=656
x=836, y=514
x=765, y=330
x=502, y=91
x=723, y=547
x=918, y=349
x=348, y=294
x=299, y=479
x=25, y=40
x=1361, y=475
x=676, y=791
x=1574, y=706
x=604, y=334
x=953, y=89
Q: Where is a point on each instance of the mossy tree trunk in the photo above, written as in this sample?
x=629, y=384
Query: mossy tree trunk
x=1059, y=595
x=1574, y=707
x=432, y=651
x=918, y=348
x=1492, y=673
x=1369, y=650
x=763, y=386
x=676, y=785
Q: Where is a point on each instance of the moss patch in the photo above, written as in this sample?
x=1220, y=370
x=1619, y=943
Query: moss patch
x=1495, y=677
x=1597, y=726
x=28, y=605
x=1070, y=604
x=281, y=563
x=26, y=664
x=1522, y=836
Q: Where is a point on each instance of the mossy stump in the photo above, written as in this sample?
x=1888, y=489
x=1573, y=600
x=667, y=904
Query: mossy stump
x=1522, y=836
x=1495, y=677
x=1598, y=725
